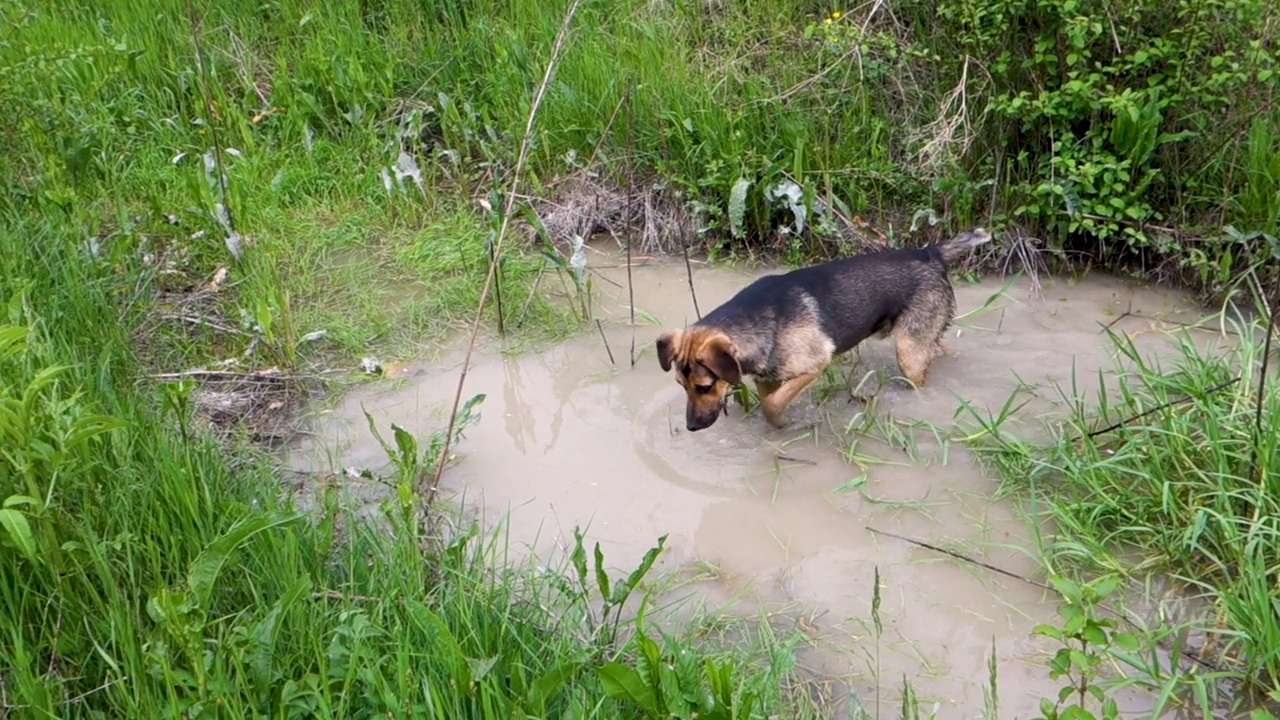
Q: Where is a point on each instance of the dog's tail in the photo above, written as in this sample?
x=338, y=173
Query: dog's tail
x=957, y=247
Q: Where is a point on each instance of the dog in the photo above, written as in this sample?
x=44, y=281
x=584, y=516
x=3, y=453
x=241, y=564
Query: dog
x=784, y=330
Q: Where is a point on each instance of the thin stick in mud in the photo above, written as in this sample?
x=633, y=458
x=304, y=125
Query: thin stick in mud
x=496, y=268
x=684, y=243
x=508, y=205
x=600, y=328
x=960, y=556
x=1163, y=406
x=631, y=182
x=1190, y=655
x=524, y=311
x=688, y=268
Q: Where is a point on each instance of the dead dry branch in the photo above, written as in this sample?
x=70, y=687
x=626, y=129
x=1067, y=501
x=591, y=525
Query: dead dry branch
x=226, y=399
x=185, y=307
x=1019, y=247
x=584, y=205
x=949, y=136
x=257, y=402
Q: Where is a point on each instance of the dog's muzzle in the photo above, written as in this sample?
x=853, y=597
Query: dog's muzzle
x=700, y=422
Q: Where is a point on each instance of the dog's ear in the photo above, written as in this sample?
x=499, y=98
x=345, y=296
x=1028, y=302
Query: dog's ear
x=719, y=354
x=667, y=348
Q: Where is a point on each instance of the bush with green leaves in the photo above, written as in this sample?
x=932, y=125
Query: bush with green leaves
x=1111, y=121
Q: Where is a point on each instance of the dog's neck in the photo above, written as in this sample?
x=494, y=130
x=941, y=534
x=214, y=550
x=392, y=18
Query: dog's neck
x=751, y=363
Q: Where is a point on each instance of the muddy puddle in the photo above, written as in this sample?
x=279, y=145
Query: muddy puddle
x=783, y=519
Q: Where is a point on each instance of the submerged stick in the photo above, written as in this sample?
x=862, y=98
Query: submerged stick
x=1163, y=406
x=960, y=556
x=1117, y=319
x=1036, y=583
x=509, y=204
x=600, y=328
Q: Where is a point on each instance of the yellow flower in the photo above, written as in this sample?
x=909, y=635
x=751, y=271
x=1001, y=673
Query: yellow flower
x=827, y=21
x=835, y=15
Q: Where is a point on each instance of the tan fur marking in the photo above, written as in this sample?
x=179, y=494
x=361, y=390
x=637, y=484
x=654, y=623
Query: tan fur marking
x=913, y=359
x=805, y=348
x=774, y=398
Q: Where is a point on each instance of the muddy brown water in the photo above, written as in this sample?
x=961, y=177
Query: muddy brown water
x=780, y=518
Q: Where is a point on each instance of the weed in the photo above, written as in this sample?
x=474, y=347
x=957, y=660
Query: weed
x=1085, y=638
x=1162, y=464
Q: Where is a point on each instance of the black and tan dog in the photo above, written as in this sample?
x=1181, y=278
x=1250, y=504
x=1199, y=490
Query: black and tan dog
x=785, y=329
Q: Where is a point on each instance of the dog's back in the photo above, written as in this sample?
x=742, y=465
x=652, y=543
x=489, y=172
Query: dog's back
x=853, y=298
x=866, y=295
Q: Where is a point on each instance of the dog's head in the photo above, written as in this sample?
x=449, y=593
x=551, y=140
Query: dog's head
x=706, y=367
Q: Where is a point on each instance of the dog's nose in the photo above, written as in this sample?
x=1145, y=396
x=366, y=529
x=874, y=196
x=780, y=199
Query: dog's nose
x=696, y=424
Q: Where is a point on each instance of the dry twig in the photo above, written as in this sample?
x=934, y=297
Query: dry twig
x=557, y=47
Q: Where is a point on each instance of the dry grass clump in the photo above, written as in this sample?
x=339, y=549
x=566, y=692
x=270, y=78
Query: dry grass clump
x=231, y=397
x=255, y=403
x=583, y=205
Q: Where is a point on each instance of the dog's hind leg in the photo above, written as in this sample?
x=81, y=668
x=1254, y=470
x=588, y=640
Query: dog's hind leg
x=774, y=397
x=919, y=331
x=914, y=354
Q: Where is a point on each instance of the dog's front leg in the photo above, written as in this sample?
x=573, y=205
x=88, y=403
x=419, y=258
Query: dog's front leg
x=774, y=397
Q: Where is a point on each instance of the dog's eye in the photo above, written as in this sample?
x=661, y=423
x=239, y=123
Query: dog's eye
x=703, y=389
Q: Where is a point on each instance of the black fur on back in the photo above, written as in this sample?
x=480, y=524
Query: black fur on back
x=855, y=297
x=849, y=300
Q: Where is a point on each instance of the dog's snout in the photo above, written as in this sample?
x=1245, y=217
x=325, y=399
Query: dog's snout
x=696, y=422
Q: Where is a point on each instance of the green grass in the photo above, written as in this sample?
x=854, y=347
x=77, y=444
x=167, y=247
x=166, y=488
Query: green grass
x=107, y=114
x=147, y=574
x=98, y=100
x=1189, y=490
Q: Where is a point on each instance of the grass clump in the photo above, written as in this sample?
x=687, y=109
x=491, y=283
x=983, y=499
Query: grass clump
x=1173, y=469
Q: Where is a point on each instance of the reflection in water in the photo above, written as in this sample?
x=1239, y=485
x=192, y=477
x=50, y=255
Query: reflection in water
x=518, y=427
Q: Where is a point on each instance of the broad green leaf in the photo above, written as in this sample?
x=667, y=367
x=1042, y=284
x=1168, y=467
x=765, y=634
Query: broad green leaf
x=602, y=577
x=13, y=340
x=551, y=682
x=205, y=569
x=448, y=650
x=19, y=532
x=623, y=683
